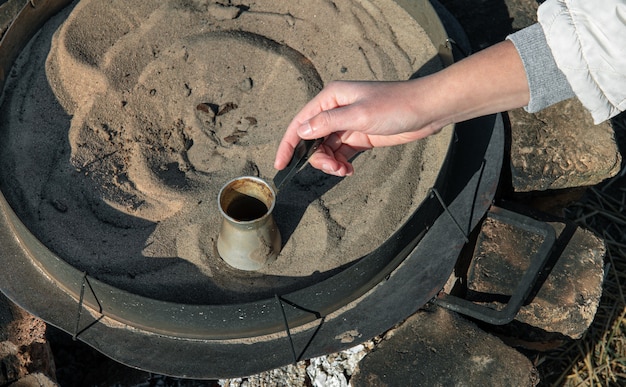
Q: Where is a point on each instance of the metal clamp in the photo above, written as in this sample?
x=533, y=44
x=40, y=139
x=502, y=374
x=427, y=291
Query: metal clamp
x=527, y=282
x=85, y=283
x=281, y=300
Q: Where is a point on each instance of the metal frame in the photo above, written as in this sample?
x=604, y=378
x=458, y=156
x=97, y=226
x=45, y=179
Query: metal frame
x=526, y=283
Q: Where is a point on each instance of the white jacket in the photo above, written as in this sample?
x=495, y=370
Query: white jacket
x=588, y=41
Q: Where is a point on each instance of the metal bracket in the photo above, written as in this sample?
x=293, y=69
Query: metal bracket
x=85, y=283
x=524, y=287
x=433, y=191
x=281, y=300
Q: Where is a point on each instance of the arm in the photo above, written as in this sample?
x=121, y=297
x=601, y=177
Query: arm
x=355, y=116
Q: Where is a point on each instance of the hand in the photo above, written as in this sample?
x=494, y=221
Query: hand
x=355, y=116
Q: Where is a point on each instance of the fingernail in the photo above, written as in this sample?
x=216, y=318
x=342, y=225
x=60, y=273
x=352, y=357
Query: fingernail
x=305, y=130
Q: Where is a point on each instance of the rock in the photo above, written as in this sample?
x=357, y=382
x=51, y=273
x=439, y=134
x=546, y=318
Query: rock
x=565, y=304
x=436, y=347
x=24, y=350
x=290, y=375
x=333, y=370
x=34, y=380
x=336, y=369
x=560, y=147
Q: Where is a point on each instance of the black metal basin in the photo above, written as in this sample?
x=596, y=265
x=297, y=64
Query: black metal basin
x=201, y=341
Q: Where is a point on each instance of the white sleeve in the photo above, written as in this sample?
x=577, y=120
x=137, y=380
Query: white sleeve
x=588, y=43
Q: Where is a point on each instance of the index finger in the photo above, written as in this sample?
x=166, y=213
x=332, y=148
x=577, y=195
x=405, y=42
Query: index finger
x=290, y=139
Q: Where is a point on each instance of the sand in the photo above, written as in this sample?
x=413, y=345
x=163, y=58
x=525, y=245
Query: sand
x=122, y=120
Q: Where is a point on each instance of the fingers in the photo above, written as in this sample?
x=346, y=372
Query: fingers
x=285, y=149
x=326, y=100
x=349, y=118
x=331, y=162
x=352, y=116
x=325, y=158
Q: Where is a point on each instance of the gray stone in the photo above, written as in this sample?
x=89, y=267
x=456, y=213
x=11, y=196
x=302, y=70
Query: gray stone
x=560, y=147
x=436, y=347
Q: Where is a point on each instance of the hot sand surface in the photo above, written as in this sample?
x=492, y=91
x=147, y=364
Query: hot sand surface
x=121, y=121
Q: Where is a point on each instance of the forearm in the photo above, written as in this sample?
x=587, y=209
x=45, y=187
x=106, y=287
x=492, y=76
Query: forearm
x=490, y=81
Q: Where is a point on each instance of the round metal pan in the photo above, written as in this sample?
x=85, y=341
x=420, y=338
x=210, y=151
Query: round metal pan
x=202, y=341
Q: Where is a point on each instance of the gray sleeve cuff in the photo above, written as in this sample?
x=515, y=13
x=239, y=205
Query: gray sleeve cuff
x=546, y=82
